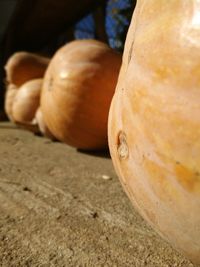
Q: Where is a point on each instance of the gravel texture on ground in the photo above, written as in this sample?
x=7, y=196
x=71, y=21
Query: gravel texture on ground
x=63, y=207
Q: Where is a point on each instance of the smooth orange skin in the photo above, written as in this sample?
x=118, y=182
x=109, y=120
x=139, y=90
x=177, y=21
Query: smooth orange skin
x=27, y=101
x=24, y=66
x=77, y=91
x=154, y=120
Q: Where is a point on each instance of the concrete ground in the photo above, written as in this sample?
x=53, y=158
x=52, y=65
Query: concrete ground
x=62, y=207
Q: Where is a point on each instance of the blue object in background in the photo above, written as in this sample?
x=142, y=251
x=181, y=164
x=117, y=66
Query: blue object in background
x=118, y=14
x=85, y=28
x=117, y=20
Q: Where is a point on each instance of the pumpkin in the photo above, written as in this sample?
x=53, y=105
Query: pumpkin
x=24, y=66
x=27, y=101
x=78, y=87
x=23, y=107
x=154, y=120
x=23, y=103
x=20, y=68
x=24, y=73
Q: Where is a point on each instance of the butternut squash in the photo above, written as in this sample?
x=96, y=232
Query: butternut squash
x=154, y=120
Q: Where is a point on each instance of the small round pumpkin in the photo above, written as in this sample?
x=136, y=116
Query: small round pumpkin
x=20, y=68
x=27, y=101
x=22, y=103
x=77, y=90
x=23, y=107
x=24, y=66
x=24, y=73
x=154, y=120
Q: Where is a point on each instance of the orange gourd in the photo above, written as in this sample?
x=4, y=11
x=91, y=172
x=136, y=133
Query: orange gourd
x=21, y=104
x=77, y=90
x=27, y=101
x=20, y=68
x=154, y=120
x=24, y=66
x=24, y=73
x=23, y=107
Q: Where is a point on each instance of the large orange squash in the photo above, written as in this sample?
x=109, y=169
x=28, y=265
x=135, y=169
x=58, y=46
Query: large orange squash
x=154, y=120
x=77, y=90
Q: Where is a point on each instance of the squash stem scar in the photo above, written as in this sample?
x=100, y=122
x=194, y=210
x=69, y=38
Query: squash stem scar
x=122, y=146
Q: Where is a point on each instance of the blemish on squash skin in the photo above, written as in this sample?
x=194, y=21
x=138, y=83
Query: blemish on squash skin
x=164, y=73
x=130, y=52
x=122, y=146
x=50, y=84
x=162, y=187
x=189, y=179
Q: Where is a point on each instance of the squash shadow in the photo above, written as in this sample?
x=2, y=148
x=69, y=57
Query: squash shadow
x=96, y=153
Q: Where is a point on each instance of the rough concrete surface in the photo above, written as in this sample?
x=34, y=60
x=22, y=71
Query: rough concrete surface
x=62, y=207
